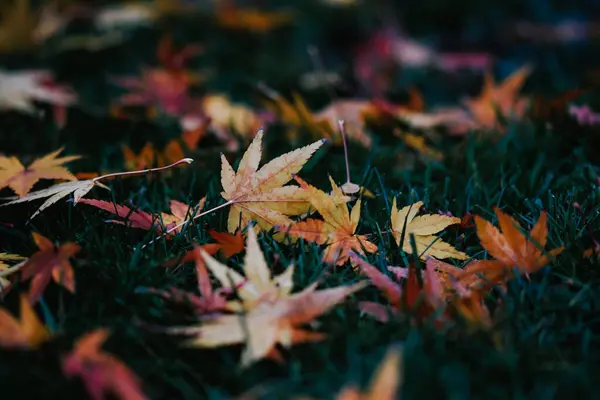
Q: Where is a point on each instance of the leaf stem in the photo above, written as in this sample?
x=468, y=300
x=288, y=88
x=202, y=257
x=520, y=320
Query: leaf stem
x=143, y=171
x=343, y=132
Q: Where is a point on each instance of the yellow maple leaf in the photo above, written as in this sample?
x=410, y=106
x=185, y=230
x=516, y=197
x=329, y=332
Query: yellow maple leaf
x=251, y=19
x=385, y=383
x=20, y=179
x=257, y=285
x=337, y=229
x=511, y=249
x=29, y=332
x=405, y=222
x=269, y=324
x=259, y=194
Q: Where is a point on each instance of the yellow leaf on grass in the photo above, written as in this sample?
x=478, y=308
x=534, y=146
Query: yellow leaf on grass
x=259, y=194
x=405, y=222
x=20, y=179
x=337, y=229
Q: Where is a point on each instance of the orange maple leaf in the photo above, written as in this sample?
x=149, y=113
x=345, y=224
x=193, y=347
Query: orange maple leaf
x=250, y=19
x=229, y=244
x=511, y=249
x=101, y=372
x=29, y=332
x=337, y=229
x=503, y=98
x=20, y=179
x=50, y=262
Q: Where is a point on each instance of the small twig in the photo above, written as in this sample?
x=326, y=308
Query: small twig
x=230, y=202
x=144, y=171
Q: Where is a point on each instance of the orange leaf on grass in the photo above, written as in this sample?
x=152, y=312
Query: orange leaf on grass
x=50, y=262
x=101, y=372
x=20, y=179
x=229, y=244
x=28, y=332
x=337, y=229
x=250, y=19
x=511, y=249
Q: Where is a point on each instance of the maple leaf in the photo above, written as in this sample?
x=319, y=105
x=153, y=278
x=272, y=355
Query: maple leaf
x=81, y=188
x=49, y=262
x=28, y=332
x=269, y=324
x=250, y=19
x=511, y=249
x=228, y=244
x=20, y=179
x=418, y=144
x=257, y=286
x=337, y=229
x=101, y=372
x=167, y=90
x=143, y=220
x=18, y=89
x=503, y=98
x=6, y=270
x=226, y=117
x=405, y=222
x=435, y=290
x=259, y=194
x=324, y=123
x=147, y=157
x=386, y=381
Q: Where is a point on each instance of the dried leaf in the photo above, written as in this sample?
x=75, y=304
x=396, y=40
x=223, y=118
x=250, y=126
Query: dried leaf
x=50, y=262
x=228, y=244
x=259, y=194
x=337, y=229
x=269, y=324
x=511, y=249
x=257, y=286
x=405, y=222
x=101, y=372
x=28, y=333
x=20, y=179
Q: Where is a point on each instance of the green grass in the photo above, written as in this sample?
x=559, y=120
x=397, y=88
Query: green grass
x=545, y=341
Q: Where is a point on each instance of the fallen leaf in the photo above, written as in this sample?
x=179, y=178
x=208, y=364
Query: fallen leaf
x=20, y=179
x=511, y=249
x=143, y=220
x=28, y=332
x=269, y=324
x=49, y=262
x=18, y=90
x=337, y=229
x=228, y=244
x=405, y=222
x=418, y=144
x=101, y=372
x=230, y=16
x=257, y=286
x=7, y=270
x=259, y=194
x=386, y=382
